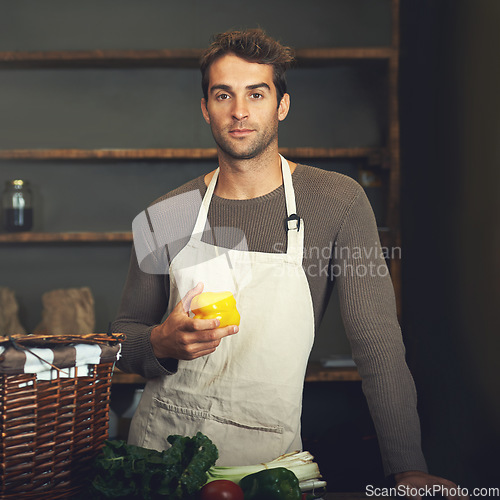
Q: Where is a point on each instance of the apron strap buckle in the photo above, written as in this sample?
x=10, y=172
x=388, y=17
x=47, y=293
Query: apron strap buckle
x=292, y=222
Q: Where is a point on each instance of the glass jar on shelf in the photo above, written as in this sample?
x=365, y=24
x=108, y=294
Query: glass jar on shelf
x=17, y=206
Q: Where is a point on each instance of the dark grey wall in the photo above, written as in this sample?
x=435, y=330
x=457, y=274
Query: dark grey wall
x=152, y=24
x=155, y=108
x=449, y=111
x=341, y=105
x=451, y=236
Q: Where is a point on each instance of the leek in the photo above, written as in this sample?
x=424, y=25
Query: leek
x=301, y=463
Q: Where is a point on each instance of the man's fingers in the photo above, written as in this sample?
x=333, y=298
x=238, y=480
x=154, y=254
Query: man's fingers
x=200, y=333
x=186, y=300
x=422, y=482
x=201, y=343
x=199, y=325
x=199, y=354
x=199, y=349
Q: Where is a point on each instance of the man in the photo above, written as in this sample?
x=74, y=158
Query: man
x=260, y=230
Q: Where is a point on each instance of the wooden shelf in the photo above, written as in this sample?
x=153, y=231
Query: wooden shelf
x=120, y=377
x=109, y=154
x=173, y=58
x=96, y=237
x=315, y=373
x=345, y=53
x=72, y=237
x=322, y=56
x=374, y=155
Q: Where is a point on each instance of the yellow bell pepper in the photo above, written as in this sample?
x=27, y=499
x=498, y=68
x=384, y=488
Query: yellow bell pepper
x=221, y=305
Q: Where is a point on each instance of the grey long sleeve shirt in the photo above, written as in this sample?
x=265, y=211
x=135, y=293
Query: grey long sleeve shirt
x=342, y=248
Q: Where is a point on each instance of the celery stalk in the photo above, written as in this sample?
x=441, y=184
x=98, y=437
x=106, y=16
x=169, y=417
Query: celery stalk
x=301, y=463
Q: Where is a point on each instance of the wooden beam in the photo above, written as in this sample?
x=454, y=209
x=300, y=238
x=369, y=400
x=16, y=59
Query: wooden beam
x=79, y=237
x=166, y=58
x=375, y=155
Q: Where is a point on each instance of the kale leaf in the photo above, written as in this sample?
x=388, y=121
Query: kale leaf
x=199, y=451
x=132, y=472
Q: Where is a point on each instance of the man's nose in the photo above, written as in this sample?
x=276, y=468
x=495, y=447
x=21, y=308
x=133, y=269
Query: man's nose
x=240, y=109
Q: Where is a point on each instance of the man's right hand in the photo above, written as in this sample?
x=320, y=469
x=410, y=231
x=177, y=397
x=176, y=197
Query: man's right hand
x=182, y=337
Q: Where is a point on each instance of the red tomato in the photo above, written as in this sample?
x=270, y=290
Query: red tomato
x=221, y=489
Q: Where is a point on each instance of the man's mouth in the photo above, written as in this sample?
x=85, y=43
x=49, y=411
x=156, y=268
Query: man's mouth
x=240, y=132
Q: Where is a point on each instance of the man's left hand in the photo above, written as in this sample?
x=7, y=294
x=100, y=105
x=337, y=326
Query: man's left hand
x=418, y=481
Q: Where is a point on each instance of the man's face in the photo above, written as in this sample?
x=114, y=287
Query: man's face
x=242, y=108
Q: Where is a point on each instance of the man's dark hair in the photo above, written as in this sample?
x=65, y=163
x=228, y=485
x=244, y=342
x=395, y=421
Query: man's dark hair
x=253, y=45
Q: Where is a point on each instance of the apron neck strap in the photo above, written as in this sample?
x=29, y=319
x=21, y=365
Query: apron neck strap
x=202, y=218
x=295, y=225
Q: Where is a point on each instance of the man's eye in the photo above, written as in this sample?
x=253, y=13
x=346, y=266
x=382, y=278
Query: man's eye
x=222, y=97
x=257, y=95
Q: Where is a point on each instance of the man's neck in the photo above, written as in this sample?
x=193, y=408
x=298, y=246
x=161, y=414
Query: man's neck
x=249, y=178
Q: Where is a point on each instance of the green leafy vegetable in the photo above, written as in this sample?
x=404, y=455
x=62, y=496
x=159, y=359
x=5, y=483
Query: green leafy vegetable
x=132, y=472
x=301, y=463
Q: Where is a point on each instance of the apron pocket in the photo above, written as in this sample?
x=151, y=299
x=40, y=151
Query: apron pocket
x=238, y=442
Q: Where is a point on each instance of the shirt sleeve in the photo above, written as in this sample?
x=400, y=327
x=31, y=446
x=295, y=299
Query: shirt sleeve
x=143, y=305
x=368, y=309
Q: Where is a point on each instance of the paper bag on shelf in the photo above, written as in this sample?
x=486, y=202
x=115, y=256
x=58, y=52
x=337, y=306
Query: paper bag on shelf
x=9, y=310
x=67, y=311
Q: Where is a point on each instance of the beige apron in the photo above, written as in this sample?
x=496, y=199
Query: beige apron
x=247, y=395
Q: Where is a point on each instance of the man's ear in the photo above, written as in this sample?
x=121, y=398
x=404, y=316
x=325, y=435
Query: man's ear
x=283, y=107
x=204, y=110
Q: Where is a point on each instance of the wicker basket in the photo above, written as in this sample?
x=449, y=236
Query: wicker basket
x=51, y=430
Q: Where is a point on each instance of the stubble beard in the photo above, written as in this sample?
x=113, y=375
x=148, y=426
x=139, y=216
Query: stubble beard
x=254, y=147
